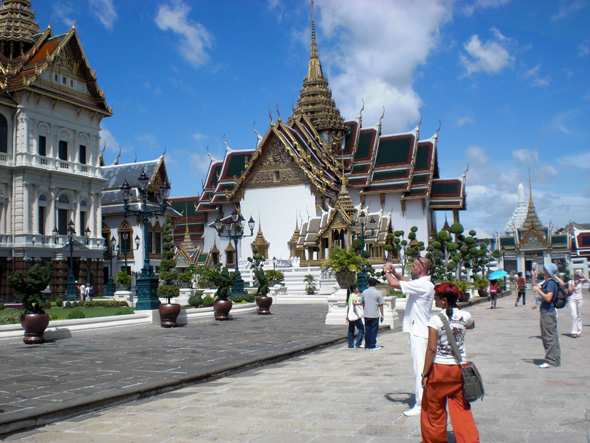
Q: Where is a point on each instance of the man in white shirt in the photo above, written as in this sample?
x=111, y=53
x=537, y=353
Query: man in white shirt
x=419, y=293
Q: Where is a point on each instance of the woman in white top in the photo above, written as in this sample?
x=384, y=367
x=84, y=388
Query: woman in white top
x=575, y=301
x=442, y=379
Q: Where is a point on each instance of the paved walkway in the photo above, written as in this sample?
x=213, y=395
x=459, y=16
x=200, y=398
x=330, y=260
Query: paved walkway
x=334, y=394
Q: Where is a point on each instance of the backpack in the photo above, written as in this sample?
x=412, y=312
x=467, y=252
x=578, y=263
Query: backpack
x=91, y=291
x=559, y=299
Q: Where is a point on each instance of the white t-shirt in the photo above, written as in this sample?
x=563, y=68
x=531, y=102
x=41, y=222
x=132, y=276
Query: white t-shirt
x=419, y=293
x=458, y=322
x=577, y=294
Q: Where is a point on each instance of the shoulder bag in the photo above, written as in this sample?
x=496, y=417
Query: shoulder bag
x=472, y=381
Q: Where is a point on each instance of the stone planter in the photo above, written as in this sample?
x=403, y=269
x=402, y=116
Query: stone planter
x=123, y=286
x=346, y=278
x=168, y=314
x=222, y=308
x=34, y=326
x=264, y=305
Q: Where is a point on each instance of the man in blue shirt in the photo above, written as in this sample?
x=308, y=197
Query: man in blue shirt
x=549, y=334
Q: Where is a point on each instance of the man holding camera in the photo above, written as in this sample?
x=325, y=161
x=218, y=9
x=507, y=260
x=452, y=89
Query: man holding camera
x=419, y=293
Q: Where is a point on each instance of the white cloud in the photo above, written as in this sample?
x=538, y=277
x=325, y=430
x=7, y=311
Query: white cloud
x=149, y=139
x=64, y=11
x=526, y=157
x=199, y=163
x=104, y=10
x=378, y=50
x=194, y=37
x=490, y=57
x=198, y=136
x=476, y=156
x=536, y=78
x=567, y=10
x=584, y=48
x=576, y=161
x=469, y=9
x=107, y=139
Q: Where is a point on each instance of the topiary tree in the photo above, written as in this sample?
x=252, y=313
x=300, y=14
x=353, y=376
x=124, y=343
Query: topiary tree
x=224, y=282
x=406, y=249
x=169, y=288
x=37, y=279
x=260, y=276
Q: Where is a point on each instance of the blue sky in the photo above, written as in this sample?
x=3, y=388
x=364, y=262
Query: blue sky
x=508, y=82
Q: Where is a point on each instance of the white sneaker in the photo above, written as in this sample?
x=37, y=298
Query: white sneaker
x=544, y=365
x=414, y=412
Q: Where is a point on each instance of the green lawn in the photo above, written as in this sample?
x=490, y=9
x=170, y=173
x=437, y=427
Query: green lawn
x=12, y=316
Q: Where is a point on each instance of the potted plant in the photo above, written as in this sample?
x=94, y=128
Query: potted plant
x=224, y=280
x=463, y=287
x=262, y=281
x=345, y=264
x=481, y=283
x=34, y=320
x=274, y=277
x=123, y=280
x=186, y=278
x=310, y=286
x=169, y=287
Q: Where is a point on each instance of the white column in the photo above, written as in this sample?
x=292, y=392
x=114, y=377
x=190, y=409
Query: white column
x=26, y=208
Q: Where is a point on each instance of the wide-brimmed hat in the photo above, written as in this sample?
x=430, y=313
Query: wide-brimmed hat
x=551, y=269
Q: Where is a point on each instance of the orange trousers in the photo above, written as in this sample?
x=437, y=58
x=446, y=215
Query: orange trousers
x=445, y=385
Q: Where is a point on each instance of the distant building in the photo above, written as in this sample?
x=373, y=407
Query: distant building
x=579, y=234
x=128, y=231
x=528, y=242
x=51, y=109
x=310, y=177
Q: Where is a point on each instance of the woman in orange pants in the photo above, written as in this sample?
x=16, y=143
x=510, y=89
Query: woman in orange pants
x=442, y=379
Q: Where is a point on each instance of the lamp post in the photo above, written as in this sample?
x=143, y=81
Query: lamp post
x=71, y=292
x=236, y=224
x=362, y=276
x=147, y=283
x=110, y=287
x=274, y=263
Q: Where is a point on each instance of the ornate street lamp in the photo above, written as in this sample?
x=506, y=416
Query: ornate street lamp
x=362, y=276
x=147, y=283
x=236, y=224
x=109, y=247
x=71, y=292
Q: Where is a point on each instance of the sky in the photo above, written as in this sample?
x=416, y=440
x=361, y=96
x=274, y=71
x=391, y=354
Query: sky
x=507, y=81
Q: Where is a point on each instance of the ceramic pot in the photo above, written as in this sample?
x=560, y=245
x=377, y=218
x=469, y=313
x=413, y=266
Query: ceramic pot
x=482, y=292
x=222, y=308
x=264, y=305
x=34, y=326
x=346, y=278
x=168, y=314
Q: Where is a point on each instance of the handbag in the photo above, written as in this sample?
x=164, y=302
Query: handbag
x=472, y=381
x=355, y=312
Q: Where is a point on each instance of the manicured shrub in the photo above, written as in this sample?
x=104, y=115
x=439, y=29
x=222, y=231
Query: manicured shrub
x=238, y=298
x=208, y=300
x=1, y=306
x=125, y=311
x=195, y=300
x=75, y=304
x=76, y=314
x=53, y=316
x=249, y=298
x=68, y=304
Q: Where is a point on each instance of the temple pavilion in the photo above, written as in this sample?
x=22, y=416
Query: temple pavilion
x=310, y=179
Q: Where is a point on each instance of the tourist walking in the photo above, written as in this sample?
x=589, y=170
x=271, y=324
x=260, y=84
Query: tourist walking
x=548, y=321
x=442, y=379
x=575, y=301
x=354, y=316
x=521, y=285
x=373, y=307
x=419, y=293
x=493, y=293
x=89, y=292
x=82, y=291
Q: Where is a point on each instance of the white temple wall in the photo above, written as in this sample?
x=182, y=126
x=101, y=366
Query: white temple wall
x=277, y=210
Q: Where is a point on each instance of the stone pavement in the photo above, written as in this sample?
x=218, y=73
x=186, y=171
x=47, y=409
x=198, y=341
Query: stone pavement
x=334, y=394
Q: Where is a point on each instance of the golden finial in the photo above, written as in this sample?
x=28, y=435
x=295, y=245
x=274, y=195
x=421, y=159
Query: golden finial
x=117, y=159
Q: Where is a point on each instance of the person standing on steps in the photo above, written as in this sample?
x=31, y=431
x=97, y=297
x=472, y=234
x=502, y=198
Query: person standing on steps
x=419, y=293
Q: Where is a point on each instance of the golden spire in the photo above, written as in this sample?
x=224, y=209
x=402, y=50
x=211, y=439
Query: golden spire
x=315, y=98
x=17, y=27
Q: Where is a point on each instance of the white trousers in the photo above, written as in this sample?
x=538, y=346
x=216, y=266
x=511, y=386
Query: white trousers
x=576, y=309
x=418, y=353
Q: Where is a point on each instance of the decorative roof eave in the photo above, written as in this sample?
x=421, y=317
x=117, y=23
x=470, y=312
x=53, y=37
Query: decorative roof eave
x=12, y=67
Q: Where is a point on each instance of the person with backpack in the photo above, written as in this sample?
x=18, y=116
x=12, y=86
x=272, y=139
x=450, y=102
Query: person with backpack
x=521, y=283
x=548, y=291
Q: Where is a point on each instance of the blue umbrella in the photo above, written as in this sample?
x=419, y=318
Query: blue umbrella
x=497, y=275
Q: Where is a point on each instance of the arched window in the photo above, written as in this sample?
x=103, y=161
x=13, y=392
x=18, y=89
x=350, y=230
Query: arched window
x=83, y=216
x=3, y=134
x=42, y=213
